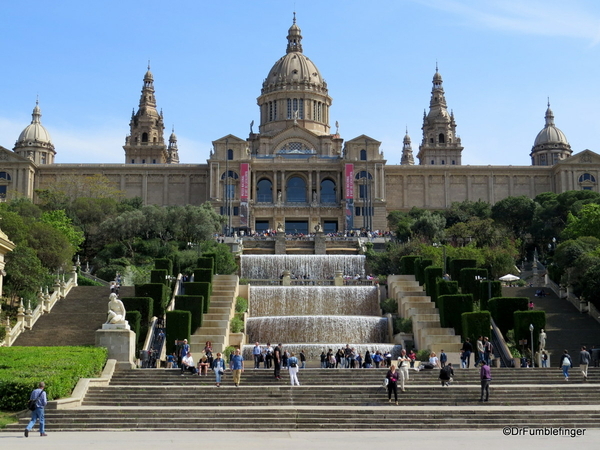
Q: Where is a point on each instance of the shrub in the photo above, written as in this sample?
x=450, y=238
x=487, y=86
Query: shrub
x=142, y=304
x=241, y=305
x=203, y=275
x=202, y=289
x=165, y=264
x=195, y=305
x=456, y=265
x=179, y=324
x=420, y=266
x=207, y=262
x=503, y=308
x=451, y=309
x=402, y=325
x=134, y=319
x=236, y=324
x=432, y=274
x=389, y=306
x=227, y=352
x=85, y=281
x=59, y=367
x=469, y=282
x=158, y=292
x=522, y=320
x=484, y=293
x=407, y=264
x=423, y=355
x=445, y=287
x=159, y=276
x=475, y=324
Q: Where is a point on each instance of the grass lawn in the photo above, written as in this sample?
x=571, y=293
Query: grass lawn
x=6, y=418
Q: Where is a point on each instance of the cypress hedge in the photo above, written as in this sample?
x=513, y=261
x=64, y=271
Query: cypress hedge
x=484, y=293
x=444, y=287
x=208, y=255
x=468, y=282
x=201, y=289
x=451, y=309
x=456, y=265
x=134, y=319
x=420, y=266
x=503, y=308
x=159, y=276
x=203, y=275
x=195, y=305
x=207, y=263
x=432, y=275
x=144, y=305
x=475, y=324
x=159, y=293
x=165, y=264
x=407, y=264
x=179, y=326
x=522, y=320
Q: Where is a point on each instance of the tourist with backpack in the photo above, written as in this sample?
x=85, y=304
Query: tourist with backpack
x=488, y=350
x=446, y=375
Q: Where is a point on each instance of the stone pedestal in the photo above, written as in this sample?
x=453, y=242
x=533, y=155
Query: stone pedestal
x=338, y=279
x=320, y=244
x=120, y=343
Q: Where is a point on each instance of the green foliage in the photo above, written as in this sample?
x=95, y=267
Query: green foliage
x=58, y=220
x=203, y=275
x=475, y=324
x=444, y=287
x=227, y=352
x=586, y=223
x=503, y=308
x=389, y=306
x=224, y=260
x=451, y=309
x=516, y=213
x=403, y=325
x=179, y=327
x=423, y=355
x=522, y=320
x=203, y=289
x=469, y=281
x=429, y=227
x=134, y=319
x=195, y=305
x=407, y=265
x=420, y=267
x=2, y=332
x=159, y=293
x=207, y=262
x=165, y=264
x=432, y=274
x=159, y=276
x=236, y=325
x=59, y=367
x=85, y=281
x=456, y=265
x=484, y=293
x=241, y=305
x=144, y=305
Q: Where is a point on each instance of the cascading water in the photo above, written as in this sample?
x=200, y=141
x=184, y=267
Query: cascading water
x=316, y=267
x=313, y=300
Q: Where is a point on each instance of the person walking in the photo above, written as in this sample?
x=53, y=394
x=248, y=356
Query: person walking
x=257, y=353
x=218, y=366
x=293, y=369
x=277, y=357
x=467, y=349
x=403, y=364
x=237, y=366
x=566, y=362
x=443, y=359
x=584, y=362
x=392, y=383
x=41, y=400
x=485, y=375
x=302, y=359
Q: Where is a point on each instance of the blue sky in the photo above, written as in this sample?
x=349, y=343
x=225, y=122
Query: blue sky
x=500, y=61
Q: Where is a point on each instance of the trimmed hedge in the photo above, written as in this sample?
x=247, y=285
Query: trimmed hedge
x=159, y=276
x=432, y=274
x=484, y=293
x=179, y=325
x=202, y=289
x=164, y=264
x=207, y=263
x=85, y=281
x=503, y=308
x=195, y=305
x=420, y=266
x=60, y=368
x=522, y=320
x=407, y=264
x=475, y=324
x=142, y=304
x=444, y=287
x=456, y=265
x=158, y=292
x=451, y=309
x=203, y=275
x=135, y=318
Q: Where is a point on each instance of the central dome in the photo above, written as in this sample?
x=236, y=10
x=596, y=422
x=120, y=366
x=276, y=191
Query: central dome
x=35, y=134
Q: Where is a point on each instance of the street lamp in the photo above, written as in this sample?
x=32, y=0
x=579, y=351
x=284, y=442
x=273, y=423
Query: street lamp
x=531, y=331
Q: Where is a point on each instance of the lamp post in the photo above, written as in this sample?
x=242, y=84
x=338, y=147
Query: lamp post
x=531, y=331
x=226, y=188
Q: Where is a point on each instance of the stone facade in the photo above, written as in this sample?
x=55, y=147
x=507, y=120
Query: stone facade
x=298, y=172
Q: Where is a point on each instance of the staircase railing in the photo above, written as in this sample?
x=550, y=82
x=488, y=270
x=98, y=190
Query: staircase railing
x=500, y=345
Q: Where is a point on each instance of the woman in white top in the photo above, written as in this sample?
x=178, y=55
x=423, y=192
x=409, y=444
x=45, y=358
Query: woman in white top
x=434, y=361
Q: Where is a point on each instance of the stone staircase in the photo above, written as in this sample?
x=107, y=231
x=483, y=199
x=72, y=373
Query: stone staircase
x=73, y=320
x=215, y=324
x=427, y=331
x=163, y=400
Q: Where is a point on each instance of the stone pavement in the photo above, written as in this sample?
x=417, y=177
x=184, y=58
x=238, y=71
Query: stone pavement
x=347, y=440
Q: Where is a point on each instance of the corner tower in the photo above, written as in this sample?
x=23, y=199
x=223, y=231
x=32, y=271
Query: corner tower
x=294, y=93
x=145, y=143
x=440, y=144
x=550, y=144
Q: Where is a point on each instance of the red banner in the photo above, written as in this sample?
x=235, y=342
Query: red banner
x=244, y=181
x=349, y=181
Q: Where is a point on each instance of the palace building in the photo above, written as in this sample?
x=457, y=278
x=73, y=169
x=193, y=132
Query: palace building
x=294, y=170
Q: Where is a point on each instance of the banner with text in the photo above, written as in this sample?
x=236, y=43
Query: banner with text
x=349, y=196
x=244, y=189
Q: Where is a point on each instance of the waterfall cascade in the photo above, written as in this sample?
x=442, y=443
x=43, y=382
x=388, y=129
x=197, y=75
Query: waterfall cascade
x=316, y=267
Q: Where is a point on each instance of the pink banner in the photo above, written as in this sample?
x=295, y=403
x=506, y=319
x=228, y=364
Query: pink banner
x=349, y=181
x=245, y=175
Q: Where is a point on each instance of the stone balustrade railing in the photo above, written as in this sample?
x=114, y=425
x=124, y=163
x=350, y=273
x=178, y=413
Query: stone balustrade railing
x=26, y=318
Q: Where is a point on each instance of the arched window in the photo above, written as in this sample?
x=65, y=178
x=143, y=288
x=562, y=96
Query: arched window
x=364, y=180
x=230, y=154
x=144, y=137
x=441, y=138
x=328, y=191
x=587, y=177
x=296, y=190
x=232, y=174
x=4, y=176
x=229, y=186
x=363, y=155
x=264, y=191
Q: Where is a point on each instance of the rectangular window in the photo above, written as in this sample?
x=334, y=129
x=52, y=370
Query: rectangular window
x=301, y=109
x=289, y=108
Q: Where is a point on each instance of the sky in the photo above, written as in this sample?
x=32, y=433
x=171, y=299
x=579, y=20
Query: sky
x=500, y=62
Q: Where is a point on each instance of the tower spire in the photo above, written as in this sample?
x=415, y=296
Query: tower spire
x=294, y=38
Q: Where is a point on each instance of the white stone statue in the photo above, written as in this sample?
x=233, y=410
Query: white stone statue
x=542, y=339
x=280, y=228
x=318, y=228
x=116, y=311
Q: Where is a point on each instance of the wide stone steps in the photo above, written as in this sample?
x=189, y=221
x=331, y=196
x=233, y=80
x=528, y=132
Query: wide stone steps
x=244, y=419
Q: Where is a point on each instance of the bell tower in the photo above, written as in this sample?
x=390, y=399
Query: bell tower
x=145, y=143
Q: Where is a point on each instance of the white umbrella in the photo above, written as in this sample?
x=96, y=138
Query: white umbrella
x=509, y=277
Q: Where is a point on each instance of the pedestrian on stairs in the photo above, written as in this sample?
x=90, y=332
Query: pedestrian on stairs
x=293, y=369
x=566, y=362
x=584, y=362
x=218, y=366
x=39, y=396
x=237, y=367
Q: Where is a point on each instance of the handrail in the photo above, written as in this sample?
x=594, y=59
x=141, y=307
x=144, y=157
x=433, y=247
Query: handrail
x=500, y=345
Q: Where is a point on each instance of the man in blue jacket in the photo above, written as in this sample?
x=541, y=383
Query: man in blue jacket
x=39, y=396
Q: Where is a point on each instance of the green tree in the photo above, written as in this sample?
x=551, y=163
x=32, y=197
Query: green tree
x=516, y=213
x=58, y=220
x=24, y=273
x=429, y=226
x=587, y=223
